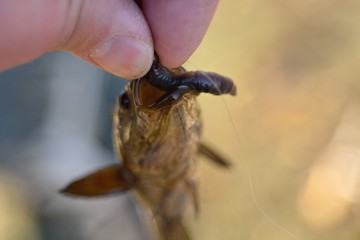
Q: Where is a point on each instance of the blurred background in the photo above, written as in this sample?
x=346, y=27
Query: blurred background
x=292, y=133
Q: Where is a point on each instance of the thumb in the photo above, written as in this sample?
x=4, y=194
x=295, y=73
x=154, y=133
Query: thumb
x=111, y=34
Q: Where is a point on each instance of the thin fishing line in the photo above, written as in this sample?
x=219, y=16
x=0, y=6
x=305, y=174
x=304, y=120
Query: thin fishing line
x=243, y=154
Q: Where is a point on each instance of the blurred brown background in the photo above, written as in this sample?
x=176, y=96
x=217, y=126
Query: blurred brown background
x=292, y=133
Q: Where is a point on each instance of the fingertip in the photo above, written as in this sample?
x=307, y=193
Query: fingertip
x=173, y=58
x=178, y=27
x=123, y=56
x=112, y=35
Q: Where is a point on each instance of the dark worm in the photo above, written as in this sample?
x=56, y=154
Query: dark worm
x=207, y=82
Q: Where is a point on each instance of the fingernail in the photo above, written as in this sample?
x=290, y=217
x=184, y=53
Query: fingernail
x=125, y=57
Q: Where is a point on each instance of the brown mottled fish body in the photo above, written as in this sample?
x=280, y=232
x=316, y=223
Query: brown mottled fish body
x=156, y=134
x=160, y=148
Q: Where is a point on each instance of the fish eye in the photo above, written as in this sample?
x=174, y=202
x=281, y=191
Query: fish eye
x=124, y=101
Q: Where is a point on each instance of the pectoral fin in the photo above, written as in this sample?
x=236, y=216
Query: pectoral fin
x=214, y=156
x=106, y=181
x=172, y=229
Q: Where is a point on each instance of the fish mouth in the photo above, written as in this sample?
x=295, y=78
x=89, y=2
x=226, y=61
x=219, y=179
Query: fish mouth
x=148, y=97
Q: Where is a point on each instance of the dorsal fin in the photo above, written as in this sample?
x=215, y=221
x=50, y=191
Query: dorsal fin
x=106, y=181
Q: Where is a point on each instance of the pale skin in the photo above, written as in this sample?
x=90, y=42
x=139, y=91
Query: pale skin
x=115, y=35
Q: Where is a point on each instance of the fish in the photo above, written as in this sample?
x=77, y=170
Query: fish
x=157, y=137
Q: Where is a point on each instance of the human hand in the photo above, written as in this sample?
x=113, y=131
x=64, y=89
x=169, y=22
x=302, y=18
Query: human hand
x=115, y=35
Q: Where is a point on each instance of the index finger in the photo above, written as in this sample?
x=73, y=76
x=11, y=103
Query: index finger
x=178, y=27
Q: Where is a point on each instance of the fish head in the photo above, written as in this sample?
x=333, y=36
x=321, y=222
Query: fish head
x=146, y=116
